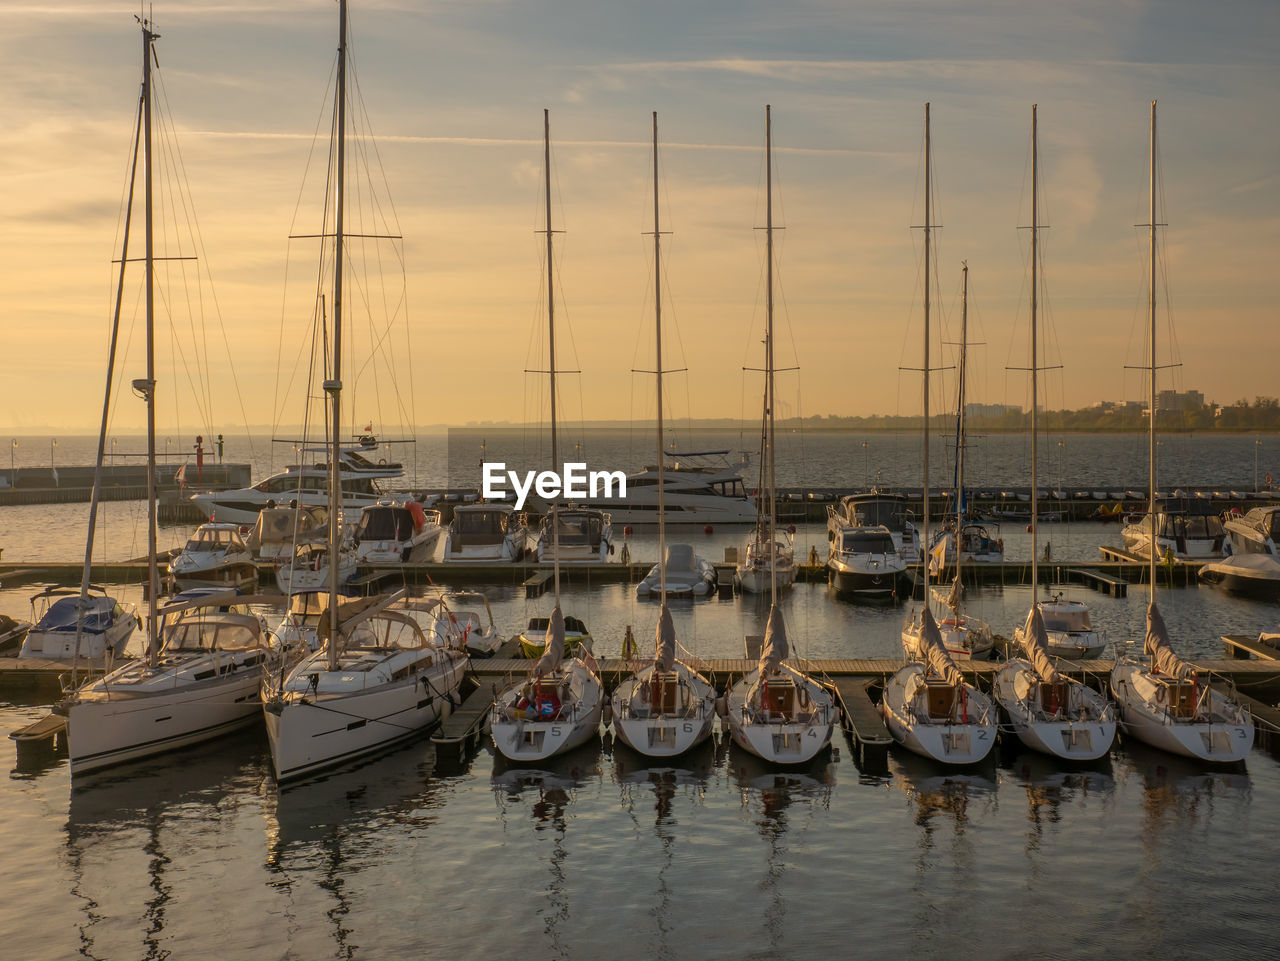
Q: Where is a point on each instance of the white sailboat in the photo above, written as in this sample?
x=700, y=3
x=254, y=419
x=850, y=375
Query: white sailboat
x=767, y=558
x=559, y=706
x=1164, y=703
x=1050, y=711
x=201, y=672
x=667, y=707
x=381, y=677
x=777, y=712
x=962, y=636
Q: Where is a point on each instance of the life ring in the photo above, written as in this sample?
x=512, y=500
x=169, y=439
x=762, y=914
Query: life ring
x=1160, y=694
x=1268, y=478
x=803, y=699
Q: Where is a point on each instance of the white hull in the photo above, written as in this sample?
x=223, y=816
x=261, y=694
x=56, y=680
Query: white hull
x=793, y=737
x=127, y=716
x=756, y=580
x=951, y=740
x=1083, y=731
x=1222, y=734
x=243, y=506
x=310, y=732
x=61, y=645
x=663, y=733
x=522, y=738
x=306, y=580
x=509, y=551
x=965, y=638
x=415, y=550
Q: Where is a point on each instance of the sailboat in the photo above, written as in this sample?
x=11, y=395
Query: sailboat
x=964, y=636
x=1164, y=703
x=766, y=558
x=961, y=635
x=927, y=705
x=667, y=707
x=777, y=712
x=383, y=675
x=559, y=705
x=200, y=675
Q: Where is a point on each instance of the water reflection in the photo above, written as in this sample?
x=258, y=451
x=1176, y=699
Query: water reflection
x=333, y=827
x=135, y=809
x=1052, y=789
x=551, y=787
x=1180, y=793
x=939, y=793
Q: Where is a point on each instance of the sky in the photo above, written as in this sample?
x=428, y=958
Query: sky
x=454, y=92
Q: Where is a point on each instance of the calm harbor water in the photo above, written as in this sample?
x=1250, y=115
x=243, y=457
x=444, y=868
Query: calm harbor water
x=599, y=856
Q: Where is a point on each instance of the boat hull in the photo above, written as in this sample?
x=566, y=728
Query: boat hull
x=948, y=742
x=1225, y=742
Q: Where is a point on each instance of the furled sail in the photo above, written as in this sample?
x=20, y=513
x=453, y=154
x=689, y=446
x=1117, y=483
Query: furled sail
x=775, y=649
x=553, y=653
x=1157, y=645
x=935, y=652
x=1035, y=641
x=664, y=655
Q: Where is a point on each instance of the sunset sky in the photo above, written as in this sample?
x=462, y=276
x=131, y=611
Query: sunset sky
x=454, y=92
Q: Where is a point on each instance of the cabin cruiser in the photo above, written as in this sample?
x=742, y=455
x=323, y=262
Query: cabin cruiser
x=1187, y=530
x=307, y=484
x=309, y=569
x=1252, y=564
x=533, y=639
x=468, y=621
x=585, y=535
x=698, y=487
x=278, y=530
x=686, y=573
x=395, y=532
x=103, y=623
x=877, y=509
x=486, y=533
x=977, y=546
x=1068, y=628
x=215, y=556
x=865, y=562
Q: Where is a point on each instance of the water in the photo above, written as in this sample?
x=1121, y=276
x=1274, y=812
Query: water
x=198, y=855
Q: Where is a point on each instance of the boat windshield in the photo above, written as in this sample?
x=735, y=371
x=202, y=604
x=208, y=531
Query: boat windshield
x=877, y=512
x=864, y=542
x=214, y=634
x=217, y=539
x=385, y=524
x=577, y=530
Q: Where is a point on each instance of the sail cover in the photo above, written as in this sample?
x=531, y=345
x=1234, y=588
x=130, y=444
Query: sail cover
x=935, y=652
x=553, y=653
x=664, y=655
x=774, y=650
x=1157, y=645
x=1035, y=641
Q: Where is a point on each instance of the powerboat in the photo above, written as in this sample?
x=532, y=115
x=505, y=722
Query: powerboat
x=585, y=536
x=395, y=531
x=360, y=479
x=1252, y=565
x=468, y=622
x=686, y=574
x=278, y=530
x=486, y=533
x=308, y=570
x=698, y=487
x=102, y=623
x=865, y=563
x=1069, y=629
x=1186, y=530
x=534, y=637
x=977, y=546
x=877, y=509
x=215, y=556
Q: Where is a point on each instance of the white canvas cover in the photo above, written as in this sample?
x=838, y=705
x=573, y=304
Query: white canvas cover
x=664, y=655
x=935, y=652
x=1163, y=659
x=1035, y=641
x=553, y=652
x=774, y=649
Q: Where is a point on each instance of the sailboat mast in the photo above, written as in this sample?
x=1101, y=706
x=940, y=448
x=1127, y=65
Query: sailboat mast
x=960, y=438
x=153, y=573
x=1151, y=309
x=1035, y=382
x=551, y=349
x=657, y=326
x=333, y=386
x=928, y=231
x=768, y=340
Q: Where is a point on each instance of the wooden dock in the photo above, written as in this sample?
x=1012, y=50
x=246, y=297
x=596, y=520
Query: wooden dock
x=1115, y=586
x=46, y=675
x=1243, y=647
x=862, y=721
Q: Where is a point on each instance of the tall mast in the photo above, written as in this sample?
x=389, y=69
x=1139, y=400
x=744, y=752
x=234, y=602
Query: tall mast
x=928, y=231
x=657, y=326
x=960, y=436
x=1035, y=237
x=333, y=386
x=551, y=349
x=153, y=573
x=768, y=337
x=1151, y=308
